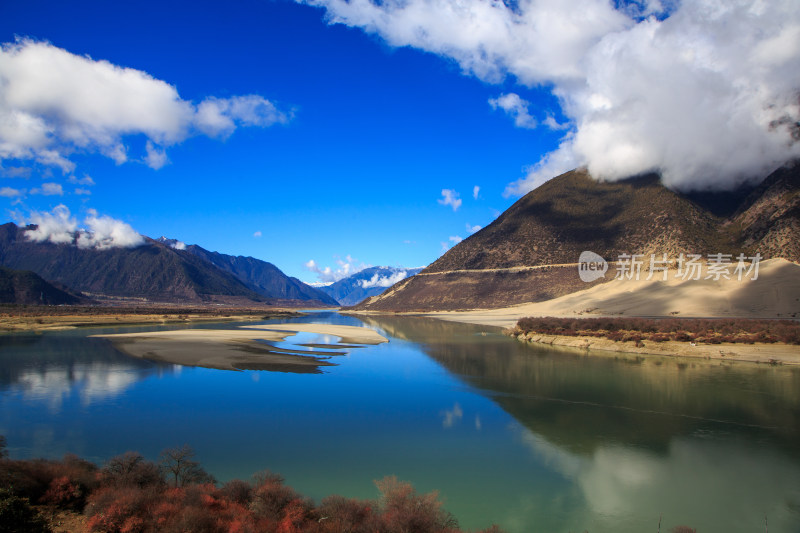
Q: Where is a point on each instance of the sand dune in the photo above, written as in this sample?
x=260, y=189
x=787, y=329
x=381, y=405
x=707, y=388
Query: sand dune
x=775, y=294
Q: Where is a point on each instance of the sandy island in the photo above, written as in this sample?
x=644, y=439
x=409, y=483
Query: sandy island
x=244, y=348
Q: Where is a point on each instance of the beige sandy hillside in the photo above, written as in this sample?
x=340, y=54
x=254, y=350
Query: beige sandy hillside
x=775, y=294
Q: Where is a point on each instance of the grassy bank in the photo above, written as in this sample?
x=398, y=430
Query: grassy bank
x=33, y=318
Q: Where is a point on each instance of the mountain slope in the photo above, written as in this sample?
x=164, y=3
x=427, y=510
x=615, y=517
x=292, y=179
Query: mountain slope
x=365, y=283
x=530, y=252
x=572, y=213
x=26, y=287
x=152, y=271
x=263, y=277
x=769, y=218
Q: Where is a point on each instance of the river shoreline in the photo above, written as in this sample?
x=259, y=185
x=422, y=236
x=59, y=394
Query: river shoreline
x=505, y=320
x=760, y=353
x=48, y=319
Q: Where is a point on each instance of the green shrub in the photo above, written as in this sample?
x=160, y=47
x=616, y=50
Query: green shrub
x=17, y=515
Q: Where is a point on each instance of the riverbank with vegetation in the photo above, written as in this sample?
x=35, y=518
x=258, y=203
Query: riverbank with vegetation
x=130, y=494
x=750, y=340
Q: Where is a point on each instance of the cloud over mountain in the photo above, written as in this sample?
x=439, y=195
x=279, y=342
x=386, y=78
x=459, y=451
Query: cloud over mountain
x=99, y=232
x=378, y=280
x=702, y=91
x=346, y=267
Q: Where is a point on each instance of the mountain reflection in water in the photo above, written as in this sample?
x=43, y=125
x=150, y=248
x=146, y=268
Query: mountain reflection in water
x=717, y=441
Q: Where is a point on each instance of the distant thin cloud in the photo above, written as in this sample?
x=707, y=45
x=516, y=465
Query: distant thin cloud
x=49, y=189
x=516, y=108
x=85, y=180
x=451, y=198
x=15, y=172
x=451, y=241
x=10, y=192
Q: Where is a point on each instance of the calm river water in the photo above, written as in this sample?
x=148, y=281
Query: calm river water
x=532, y=439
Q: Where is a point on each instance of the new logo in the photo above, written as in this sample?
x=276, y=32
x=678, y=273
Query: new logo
x=591, y=267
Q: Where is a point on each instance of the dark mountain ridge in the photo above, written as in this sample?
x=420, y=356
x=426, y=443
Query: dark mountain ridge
x=23, y=287
x=263, y=277
x=154, y=271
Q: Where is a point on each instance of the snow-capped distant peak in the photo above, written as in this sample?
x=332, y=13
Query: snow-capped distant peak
x=172, y=243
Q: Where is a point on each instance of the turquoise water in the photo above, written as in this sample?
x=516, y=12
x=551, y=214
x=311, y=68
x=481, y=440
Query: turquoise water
x=531, y=439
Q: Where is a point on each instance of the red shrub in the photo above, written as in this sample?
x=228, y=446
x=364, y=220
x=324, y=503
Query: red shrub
x=295, y=516
x=238, y=491
x=405, y=510
x=130, y=469
x=271, y=496
x=64, y=494
x=343, y=515
x=112, y=509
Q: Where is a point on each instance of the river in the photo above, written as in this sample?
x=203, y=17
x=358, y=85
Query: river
x=533, y=439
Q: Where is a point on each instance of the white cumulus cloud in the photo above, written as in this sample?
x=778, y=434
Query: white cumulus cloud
x=516, y=108
x=220, y=116
x=155, y=157
x=476, y=191
x=703, y=91
x=98, y=232
x=345, y=267
x=383, y=281
x=451, y=198
x=104, y=232
x=54, y=103
x=57, y=226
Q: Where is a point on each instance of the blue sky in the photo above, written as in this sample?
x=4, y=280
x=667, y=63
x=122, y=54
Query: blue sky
x=357, y=127
x=377, y=133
